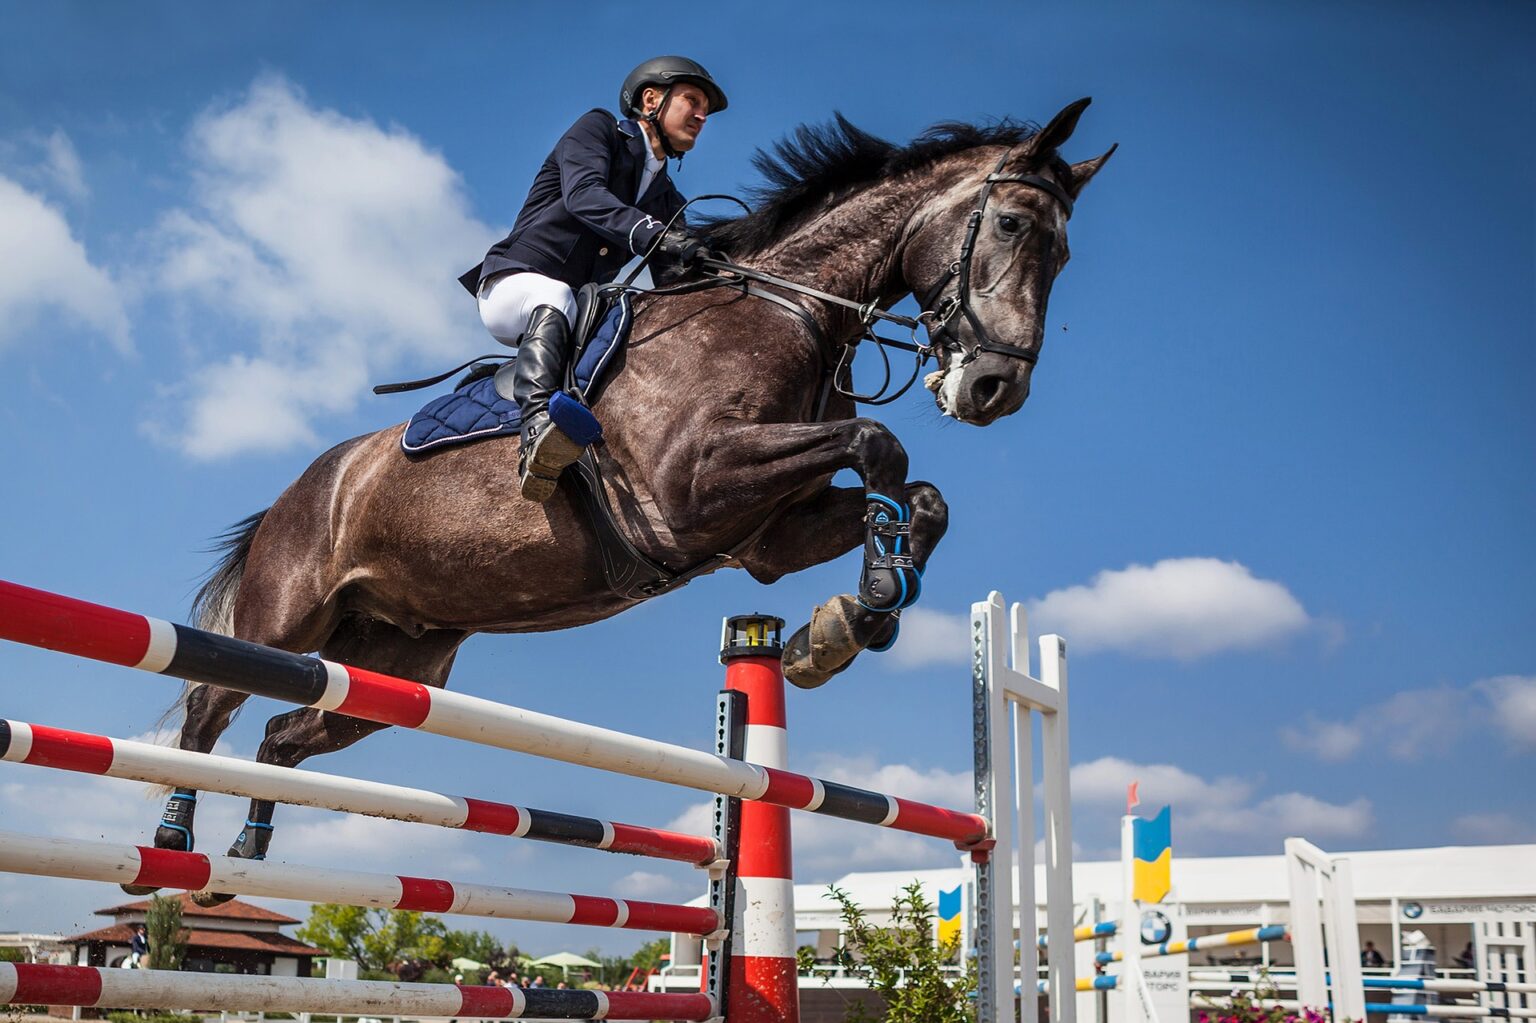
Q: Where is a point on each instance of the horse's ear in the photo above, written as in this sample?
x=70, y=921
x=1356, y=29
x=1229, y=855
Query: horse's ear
x=1082, y=173
x=1059, y=130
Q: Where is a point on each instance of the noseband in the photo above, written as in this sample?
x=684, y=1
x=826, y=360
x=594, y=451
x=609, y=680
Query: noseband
x=940, y=320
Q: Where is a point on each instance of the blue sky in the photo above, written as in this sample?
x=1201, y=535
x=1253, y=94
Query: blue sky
x=1274, y=482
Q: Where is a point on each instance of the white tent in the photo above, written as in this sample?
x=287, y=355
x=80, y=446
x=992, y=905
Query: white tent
x=566, y=960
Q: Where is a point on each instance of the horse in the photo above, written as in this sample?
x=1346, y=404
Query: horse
x=720, y=440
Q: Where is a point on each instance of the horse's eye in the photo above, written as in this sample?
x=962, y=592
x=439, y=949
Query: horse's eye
x=1009, y=224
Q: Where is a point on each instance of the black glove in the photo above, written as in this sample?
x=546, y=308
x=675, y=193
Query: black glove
x=683, y=247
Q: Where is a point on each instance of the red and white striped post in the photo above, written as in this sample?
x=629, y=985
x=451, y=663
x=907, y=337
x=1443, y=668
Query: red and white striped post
x=763, y=985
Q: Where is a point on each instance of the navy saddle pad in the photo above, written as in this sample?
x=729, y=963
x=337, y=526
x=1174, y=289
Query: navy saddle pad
x=474, y=411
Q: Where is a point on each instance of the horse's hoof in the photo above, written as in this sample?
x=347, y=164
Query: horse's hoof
x=139, y=889
x=825, y=646
x=250, y=844
x=799, y=666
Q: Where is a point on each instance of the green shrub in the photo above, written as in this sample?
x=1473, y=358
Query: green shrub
x=904, y=964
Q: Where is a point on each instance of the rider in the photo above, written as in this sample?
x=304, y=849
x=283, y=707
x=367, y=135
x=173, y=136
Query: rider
x=602, y=197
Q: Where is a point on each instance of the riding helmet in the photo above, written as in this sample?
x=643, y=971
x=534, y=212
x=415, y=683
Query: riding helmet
x=668, y=71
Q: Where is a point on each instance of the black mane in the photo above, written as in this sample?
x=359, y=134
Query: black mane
x=824, y=162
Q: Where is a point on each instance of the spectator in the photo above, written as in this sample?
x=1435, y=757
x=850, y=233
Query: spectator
x=1468, y=958
x=537, y=981
x=494, y=979
x=138, y=947
x=1370, y=956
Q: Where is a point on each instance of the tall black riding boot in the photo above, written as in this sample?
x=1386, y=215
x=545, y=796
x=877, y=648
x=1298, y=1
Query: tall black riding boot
x=537, y=375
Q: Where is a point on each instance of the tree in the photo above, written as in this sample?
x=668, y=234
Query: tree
x=649, y=955
x=374, y=937
x=481, y=946
x=903, y=963
x=167, y=941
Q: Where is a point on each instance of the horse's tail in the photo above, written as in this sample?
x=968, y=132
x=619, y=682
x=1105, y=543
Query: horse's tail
x=213, y=608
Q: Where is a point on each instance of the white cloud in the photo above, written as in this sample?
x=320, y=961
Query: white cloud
x=650, y=886
x=1296, y=813
x=1415, y=724
x=1104, y=781
x=1496, y=828
x=1219, y=812
x=320, y=250
x=46, y=277
x=931, y=637
x=1512, y=699
x=356, y=842
x=62, y=165
x=1183, y=608
x=1331, y=741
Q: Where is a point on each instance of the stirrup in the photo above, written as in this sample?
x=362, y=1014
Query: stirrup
x=540, y=463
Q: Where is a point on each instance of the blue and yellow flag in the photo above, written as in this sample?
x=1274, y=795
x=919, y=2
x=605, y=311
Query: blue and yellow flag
x=1152, y=841
x=949, y=915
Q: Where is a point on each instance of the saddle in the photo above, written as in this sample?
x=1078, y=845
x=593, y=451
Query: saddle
x=475, y=411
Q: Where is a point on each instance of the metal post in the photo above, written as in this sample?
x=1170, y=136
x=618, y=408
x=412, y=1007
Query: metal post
x=994, y=801
x=730, y=741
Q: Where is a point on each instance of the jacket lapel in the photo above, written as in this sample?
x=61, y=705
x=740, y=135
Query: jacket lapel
x=635, y=145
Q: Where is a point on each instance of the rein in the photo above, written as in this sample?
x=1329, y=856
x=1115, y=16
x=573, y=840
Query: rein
x=938, y=319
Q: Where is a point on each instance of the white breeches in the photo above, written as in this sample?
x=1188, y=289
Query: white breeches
x=507, y=300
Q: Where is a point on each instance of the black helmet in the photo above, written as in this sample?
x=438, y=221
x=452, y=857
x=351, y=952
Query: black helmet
x=668, y=71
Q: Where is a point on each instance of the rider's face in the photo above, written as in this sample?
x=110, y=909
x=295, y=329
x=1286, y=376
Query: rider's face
x=685, y=114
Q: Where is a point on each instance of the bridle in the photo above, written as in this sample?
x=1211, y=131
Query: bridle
x=940, y=327
x=938, y=321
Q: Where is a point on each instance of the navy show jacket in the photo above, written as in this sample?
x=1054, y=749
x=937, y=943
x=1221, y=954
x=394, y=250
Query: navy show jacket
x=582, y=220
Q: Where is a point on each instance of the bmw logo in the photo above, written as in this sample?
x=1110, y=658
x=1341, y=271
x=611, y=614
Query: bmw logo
x=1412, y=910
x=1155, y=928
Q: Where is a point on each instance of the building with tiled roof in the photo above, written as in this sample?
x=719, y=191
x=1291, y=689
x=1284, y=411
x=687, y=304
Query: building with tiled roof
x=234, y=937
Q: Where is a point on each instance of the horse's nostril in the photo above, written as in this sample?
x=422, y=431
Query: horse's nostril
x=988, y=391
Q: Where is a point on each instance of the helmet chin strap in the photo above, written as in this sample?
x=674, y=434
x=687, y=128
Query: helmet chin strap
x=654, y=120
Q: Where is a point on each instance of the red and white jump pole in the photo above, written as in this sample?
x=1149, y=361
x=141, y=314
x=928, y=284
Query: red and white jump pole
x=40, y=984
x=55, y=622
x=194, y=871
x=59, y=748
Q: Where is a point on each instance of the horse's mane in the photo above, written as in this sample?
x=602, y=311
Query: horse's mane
x=822, y=163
